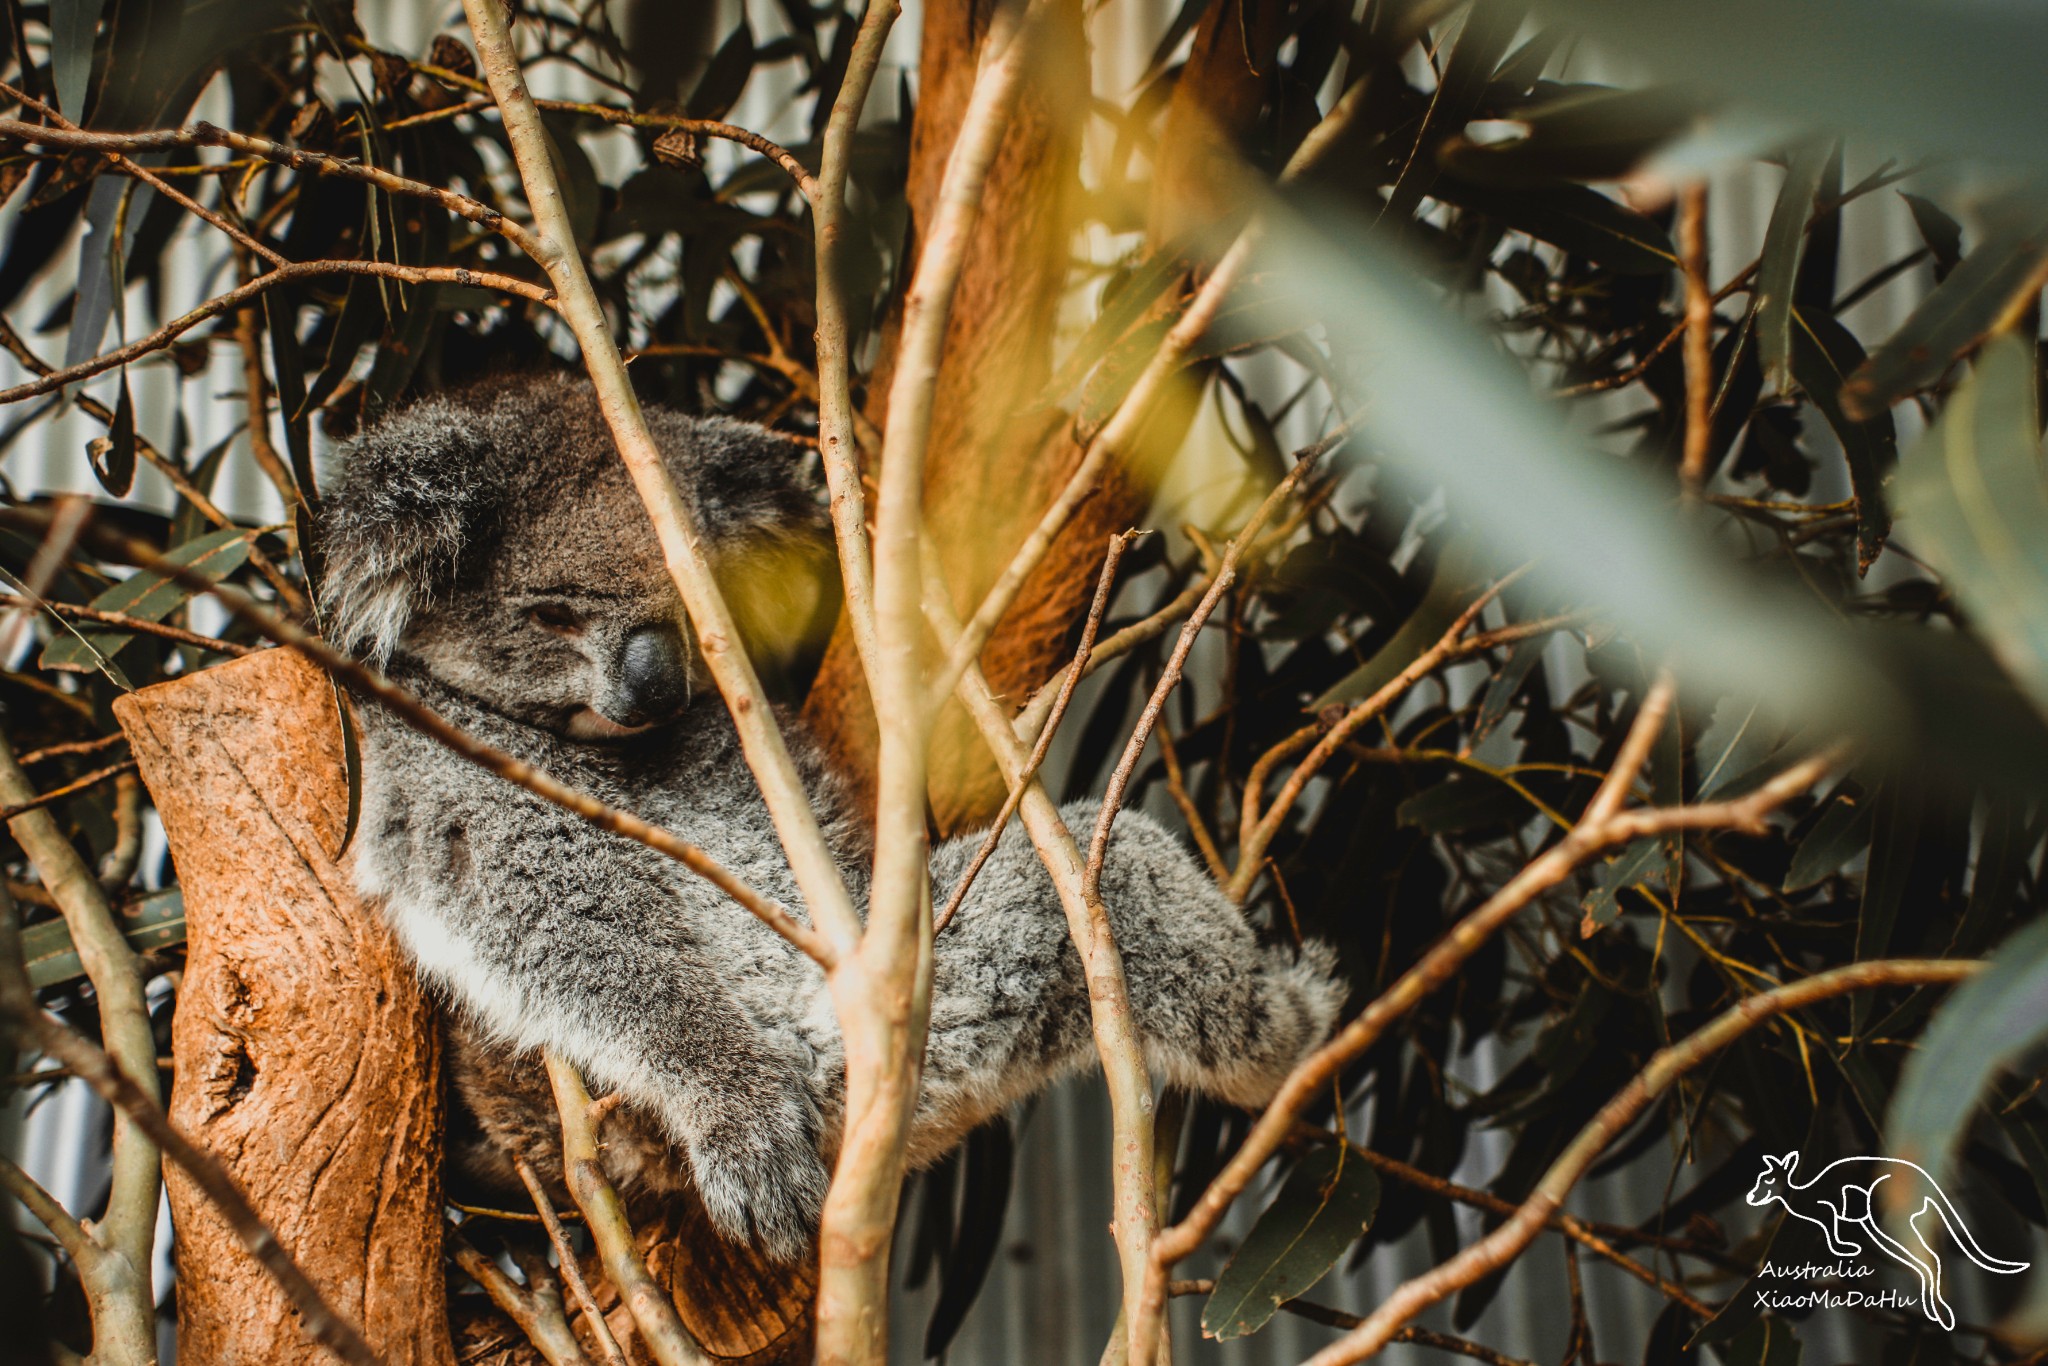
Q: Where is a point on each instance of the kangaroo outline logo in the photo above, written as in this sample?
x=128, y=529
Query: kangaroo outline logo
x=1844, y=1193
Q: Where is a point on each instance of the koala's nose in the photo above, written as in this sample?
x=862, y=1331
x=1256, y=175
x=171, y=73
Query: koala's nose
x=653, y=676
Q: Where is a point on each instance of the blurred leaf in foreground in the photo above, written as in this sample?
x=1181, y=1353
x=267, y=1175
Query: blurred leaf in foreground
x=1440, y=402
x=1978, y=509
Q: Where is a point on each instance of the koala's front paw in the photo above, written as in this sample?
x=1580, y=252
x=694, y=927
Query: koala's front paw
x=761, y=1179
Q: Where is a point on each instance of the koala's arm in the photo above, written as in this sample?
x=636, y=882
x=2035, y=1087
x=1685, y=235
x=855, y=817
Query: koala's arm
x=553, y=935
x=1218, y=1011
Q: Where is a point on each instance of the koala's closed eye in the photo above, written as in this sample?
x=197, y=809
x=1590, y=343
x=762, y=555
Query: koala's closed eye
x=555, y=617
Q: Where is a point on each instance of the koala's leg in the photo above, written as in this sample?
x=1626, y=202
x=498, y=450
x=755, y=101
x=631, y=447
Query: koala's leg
x=549, y=936
x=1218, y=1012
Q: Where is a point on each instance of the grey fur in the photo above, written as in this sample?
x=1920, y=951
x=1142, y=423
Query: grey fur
x=450, y=520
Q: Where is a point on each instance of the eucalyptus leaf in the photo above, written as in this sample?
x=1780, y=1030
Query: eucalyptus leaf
x=1841, y=833
x=1988, y=285
x=1974, y=492
x=74, y=25
x=1987, y=1025
x=1631, y=868
x=1451, y=411
x=154, y=922
x=150, y=596
x=1836, y=64
x=1328, y=1200
x=1824, y=355
x=1778, y=267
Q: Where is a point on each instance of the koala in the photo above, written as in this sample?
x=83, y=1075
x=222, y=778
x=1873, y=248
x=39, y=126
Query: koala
x=486, y=548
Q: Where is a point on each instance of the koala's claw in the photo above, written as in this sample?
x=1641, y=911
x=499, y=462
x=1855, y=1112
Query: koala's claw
x=762, y=1185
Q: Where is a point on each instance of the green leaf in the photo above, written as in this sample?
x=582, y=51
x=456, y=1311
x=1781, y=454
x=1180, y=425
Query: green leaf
x=723, y=80
x=1836, y=64
x=1490, y=26
x=1500, y=694
x=1327, y=1202
x=1460, y=803
x=1778, y=268
x=1441, y=404
x=1992, y=280
x=1842, y=832
x=1735, y=750
x=1587, y=135
x=154, y=922
x=1987, y=1025
x=1896, y=817
x=150, y=596
x=113, y=455
x=1824, y=355
x=73, y=27
x=1453, y=585
x=1633, y=867
x=1973, y=488
x=1942, y=234
x=1573, y=218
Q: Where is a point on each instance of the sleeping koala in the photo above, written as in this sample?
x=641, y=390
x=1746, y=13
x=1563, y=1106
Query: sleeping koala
x=486, y=547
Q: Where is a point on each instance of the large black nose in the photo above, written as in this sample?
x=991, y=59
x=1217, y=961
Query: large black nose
x=653, y=677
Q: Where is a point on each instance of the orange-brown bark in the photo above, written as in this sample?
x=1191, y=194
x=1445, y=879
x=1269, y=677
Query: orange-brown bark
x=997, y=457
x=307, y=1057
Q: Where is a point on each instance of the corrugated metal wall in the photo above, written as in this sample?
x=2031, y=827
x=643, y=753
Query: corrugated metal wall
x=1053, y=1294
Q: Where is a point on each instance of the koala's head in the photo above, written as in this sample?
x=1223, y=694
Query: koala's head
x=492, y=536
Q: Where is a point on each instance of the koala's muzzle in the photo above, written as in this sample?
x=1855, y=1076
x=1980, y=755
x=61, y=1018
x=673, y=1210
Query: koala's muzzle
x=653, y=678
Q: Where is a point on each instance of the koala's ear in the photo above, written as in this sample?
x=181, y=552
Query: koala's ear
x=415, y=491
x=755, y=497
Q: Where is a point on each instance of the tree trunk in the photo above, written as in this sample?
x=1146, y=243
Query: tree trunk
x=308, y=1059
x=998, y=457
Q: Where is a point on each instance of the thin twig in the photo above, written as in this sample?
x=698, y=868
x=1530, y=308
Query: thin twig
x=123, y=1321
x=1135, y=1213
x=1177, y=790
x=70, y=789
x=544, y=1206
x=1699, y=337
x=537, y=1316
x=604, y=1214
x=1118, y=543
x=1587, y=1235
x=142, y=626
x=256, y=397
x=235, y=298
x=128, y=1225
x=297, y=158
x=884, y=1008
x=838, y=442
x=634, y=118
x=151, y=178
x=1505, y=1243
x=72, y=748
x=1226, y=574
x=1256, y=827
x=1337, y=1318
